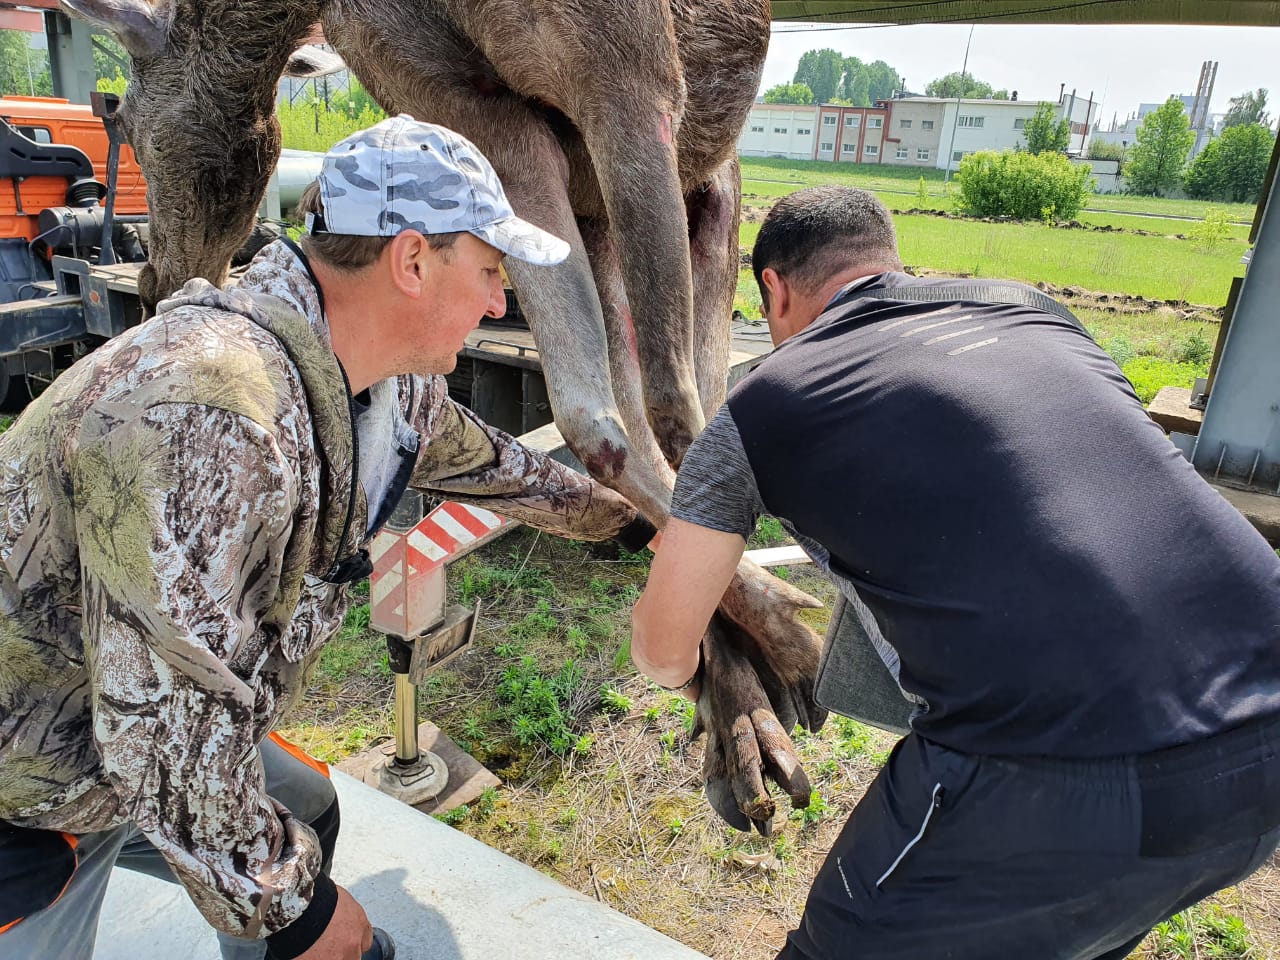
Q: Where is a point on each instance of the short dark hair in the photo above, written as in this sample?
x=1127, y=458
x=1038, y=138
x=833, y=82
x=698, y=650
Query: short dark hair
x=816, y=232
x=346, y=252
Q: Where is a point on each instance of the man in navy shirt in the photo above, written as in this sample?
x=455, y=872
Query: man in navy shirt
x=1083, y=637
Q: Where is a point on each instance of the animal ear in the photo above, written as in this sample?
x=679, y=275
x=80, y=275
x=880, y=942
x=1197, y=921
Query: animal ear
x=312, y=61
x=139, y=25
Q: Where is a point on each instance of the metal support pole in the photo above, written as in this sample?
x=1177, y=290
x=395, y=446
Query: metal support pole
x=70, y=56
x=106, y=105
x=406, y=720
x=951, y=150
x=1240, y=436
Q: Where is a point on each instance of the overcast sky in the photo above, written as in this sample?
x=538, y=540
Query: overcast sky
x=1123, y=66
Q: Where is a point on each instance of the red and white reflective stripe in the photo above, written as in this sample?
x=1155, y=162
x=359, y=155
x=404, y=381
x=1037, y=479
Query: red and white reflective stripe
x=450, y=530
x=387, y=553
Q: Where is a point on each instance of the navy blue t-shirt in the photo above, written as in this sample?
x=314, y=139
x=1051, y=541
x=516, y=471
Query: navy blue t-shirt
x=1050, y=575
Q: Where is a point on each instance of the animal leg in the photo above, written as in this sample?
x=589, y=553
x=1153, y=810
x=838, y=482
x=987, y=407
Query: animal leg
x=624, y=362
x=714, y=210
x=783, y=650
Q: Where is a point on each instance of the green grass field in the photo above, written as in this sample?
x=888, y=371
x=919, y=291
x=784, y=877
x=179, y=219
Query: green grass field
x=1160, y=268
x=771, y=177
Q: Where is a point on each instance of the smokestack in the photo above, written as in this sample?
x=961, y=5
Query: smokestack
x=1062, y=89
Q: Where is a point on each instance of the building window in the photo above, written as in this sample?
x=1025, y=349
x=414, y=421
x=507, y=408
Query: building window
x=875, y=122
x=1020, y=123
x=926, y=124
x=828, y=147
x=901, y=154
x=904, y=124
x=971, y=121
x=803, y=131
x=757, y=129
x=922, y=154
x=848, y=148
x=958, y=155
x=779, y=129
x=853, y=120
x=829, y=121
x=871, y=150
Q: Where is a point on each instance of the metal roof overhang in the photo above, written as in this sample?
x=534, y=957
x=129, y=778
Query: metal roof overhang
x=1238, y=13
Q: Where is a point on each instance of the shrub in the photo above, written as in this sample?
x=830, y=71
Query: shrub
x=1194, y=348
x=1101, y=150
x=1209, y=233
x=1021, y=185
x=314, y=124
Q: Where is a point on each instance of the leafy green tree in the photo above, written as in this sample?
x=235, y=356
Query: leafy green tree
x=859, y=87
x=1231, y=167
x=855, y=72
x=956, y=84
x=789, y=93
x=1046, y=134
x=1248, y=108
x=882, y=81
x=1157, y=159
x=820, y=71
x=109, y=58
x=1001, y=94
x=23, y=69
x=117, y=84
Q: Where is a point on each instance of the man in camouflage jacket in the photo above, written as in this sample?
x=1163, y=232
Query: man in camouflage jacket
x=183, y=512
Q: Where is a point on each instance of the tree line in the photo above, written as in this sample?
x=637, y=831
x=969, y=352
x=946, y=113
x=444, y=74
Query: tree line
x=1231, y=167
x=828, y=76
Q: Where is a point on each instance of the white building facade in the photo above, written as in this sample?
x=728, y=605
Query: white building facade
x=780, y=130
x=908, y=132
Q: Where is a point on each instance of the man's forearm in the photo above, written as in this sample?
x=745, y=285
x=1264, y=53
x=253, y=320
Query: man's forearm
x=689, y=574
x=467, y=459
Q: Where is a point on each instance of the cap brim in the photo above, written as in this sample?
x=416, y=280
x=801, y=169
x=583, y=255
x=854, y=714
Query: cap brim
x=522, y=240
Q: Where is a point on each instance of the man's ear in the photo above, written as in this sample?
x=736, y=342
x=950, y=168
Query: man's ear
x=408, y=259
x=777, y=289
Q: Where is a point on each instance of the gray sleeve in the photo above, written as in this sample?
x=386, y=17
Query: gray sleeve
x=715, y=487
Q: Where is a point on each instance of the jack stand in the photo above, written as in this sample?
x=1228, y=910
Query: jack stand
x=408, y=605
x=401, y=770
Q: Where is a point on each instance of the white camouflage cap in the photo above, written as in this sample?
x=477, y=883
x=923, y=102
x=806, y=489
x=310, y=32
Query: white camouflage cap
x=401, y=174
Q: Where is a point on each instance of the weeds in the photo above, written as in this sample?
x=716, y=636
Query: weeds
x=1206, y=930
x=1149, y=374
x=817, y=809
x=536, y=703
x=1194, y=348
x=612, y=700
x=769, y=533
x=1211, y=232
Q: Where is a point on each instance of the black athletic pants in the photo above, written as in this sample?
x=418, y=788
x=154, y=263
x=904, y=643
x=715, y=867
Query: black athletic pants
x=981, y=858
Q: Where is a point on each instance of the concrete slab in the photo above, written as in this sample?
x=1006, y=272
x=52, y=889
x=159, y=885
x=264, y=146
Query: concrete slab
x=1262, y=509
x=1172, y=409
x=441, y=894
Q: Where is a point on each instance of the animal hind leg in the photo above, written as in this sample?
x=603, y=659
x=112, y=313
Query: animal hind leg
x=785, y=651
x=624, y=362
x=713, y=211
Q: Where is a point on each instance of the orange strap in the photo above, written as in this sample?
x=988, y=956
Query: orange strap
x=74, y=843
x=298, y=754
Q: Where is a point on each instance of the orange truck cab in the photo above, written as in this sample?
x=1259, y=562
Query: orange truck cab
x=52, y=122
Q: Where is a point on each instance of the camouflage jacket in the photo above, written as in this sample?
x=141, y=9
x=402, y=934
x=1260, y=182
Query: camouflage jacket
x=170, y=507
